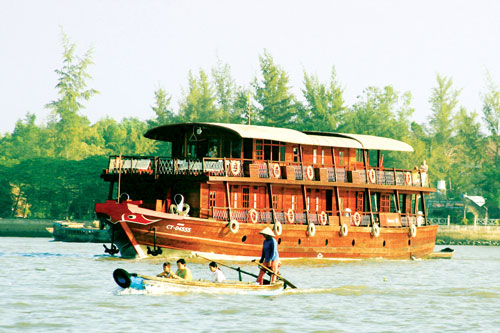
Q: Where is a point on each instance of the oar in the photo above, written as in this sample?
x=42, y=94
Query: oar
x=239, y=270
x=277, y=275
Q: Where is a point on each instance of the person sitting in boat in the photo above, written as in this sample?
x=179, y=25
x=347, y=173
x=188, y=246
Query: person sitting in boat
x=166, y=271
x=182, y=271
x=270, y=256
x=217, y=274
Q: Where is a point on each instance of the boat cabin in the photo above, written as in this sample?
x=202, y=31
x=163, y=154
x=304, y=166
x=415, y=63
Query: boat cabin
x=264, y=174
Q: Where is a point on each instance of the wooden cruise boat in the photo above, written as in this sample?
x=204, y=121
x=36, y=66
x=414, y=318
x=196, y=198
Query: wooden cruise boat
x=144, y=282
x=326, y=195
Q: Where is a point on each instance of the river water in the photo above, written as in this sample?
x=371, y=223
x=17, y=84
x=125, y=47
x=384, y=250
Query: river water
x=47, y=285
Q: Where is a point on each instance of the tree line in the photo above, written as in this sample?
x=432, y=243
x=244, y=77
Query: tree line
x=52, y=170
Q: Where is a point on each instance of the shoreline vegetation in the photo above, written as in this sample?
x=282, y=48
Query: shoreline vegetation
x=446, y=235
x=51, y=170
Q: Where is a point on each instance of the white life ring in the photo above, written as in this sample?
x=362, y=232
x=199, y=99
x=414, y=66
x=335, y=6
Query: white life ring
x=323, y=218
x=413, y=230
x=276, y=169
x=310, y=172
x=311, y=229
x=375, y=230
x=254, y=216
x=372, y=176
x=278, y=228
x=234, y=226
x=235, y=168
x=356, y=217
x=344, y=230
x=290, y=216
x=408, y=178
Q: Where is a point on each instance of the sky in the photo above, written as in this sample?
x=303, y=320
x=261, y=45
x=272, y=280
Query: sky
x=140, y=46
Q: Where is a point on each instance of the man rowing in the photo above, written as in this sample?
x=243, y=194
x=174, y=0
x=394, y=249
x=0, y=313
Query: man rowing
x=270, y=257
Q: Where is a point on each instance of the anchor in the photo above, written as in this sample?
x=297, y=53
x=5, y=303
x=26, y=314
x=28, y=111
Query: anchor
x=113, y=249
x=156, y=250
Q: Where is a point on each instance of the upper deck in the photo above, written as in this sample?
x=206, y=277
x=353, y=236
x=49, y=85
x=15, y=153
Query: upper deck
x=244, y=153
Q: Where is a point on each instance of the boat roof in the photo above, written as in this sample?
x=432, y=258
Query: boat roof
x=327, y=139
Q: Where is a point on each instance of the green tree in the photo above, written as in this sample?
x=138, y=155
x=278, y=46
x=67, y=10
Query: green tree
x=6, y=196
x=490, y=183
x=467, y=162
x=68, y=125
x=162, y=109
x=443, y=101
x=198, y=103
x=325, y=104
x=277, y=106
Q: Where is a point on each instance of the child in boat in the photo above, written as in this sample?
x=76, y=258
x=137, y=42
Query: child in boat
x=182, y=271
x=270, y=256
x=217, y=275
x=166, y=271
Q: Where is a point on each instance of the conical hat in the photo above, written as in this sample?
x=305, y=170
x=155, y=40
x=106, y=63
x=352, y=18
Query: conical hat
x=267, y=231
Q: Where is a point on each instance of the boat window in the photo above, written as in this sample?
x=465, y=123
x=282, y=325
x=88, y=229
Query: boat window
x=341, y=158
x=360, y=198
x=385, y=203
x=295, y=154
x=246, y=196
x=282, y=153
x=211, y=200
x=359, y=155
x=314, y=156
x=259, y=150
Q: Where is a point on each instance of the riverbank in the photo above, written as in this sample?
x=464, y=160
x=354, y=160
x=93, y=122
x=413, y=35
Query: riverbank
x=468, y=235
x=28, y=227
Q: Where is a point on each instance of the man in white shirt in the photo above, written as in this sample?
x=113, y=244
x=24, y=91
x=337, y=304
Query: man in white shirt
x=217, y=275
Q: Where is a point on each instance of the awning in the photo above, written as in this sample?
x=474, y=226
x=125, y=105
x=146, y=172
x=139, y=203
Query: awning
x=341, y=140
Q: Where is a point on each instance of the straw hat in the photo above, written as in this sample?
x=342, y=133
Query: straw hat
x=267, y=231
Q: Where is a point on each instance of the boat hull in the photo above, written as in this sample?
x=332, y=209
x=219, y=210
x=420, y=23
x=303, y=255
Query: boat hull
x=188, y=234
x=152, y=283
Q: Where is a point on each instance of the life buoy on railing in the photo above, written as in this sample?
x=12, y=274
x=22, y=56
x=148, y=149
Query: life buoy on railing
x=254, y=216
x=344, y=230
x=234, y=226
x=375, y=230
x=235, y=168
x=278, y=228
x=413, y=230
x=408, y=178
x=276, y=170
x=356, y=217
x=310, y=172
x=290, y=216
x=372, y=176
x=323, y=218
x=311, y=229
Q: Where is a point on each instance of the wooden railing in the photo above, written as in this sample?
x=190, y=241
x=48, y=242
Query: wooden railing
x=226, y=167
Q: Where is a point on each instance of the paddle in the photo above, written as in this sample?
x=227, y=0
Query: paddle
x=236, y=269
x=277, y=275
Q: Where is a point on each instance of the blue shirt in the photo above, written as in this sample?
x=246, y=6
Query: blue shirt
x=269, y=250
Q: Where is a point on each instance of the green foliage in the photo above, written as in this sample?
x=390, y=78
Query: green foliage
x=276, y=102
x=198, y=103
x=325, y=104
x=67, y=125
x=6, y=195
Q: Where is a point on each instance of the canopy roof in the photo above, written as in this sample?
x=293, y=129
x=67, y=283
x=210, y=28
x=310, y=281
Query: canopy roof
x=325, y=139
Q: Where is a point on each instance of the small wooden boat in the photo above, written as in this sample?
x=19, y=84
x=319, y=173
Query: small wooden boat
x=445, y=253
x=143, y=282
x=79, y=233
